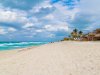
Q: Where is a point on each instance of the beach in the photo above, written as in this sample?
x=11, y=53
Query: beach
x=59, y=58
x=9, y=53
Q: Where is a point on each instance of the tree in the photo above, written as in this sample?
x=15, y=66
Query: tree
x=74, y=34
x=80, y=33
x=75, y=30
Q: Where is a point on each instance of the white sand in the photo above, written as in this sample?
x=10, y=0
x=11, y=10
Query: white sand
x=63, y=58
x=9, y=53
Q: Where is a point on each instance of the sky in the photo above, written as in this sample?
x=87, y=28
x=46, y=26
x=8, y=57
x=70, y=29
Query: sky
x=46, y=20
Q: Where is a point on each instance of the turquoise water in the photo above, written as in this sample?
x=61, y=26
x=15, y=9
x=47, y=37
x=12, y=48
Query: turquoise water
x=16, y=45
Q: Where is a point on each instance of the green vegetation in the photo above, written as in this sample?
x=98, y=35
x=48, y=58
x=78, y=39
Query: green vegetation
x=77, y=35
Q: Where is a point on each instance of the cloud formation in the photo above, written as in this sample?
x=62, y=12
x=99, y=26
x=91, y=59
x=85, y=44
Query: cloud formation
x=87, y=18
x=45, y=20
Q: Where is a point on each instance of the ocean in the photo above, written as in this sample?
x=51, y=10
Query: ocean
x=16, y=45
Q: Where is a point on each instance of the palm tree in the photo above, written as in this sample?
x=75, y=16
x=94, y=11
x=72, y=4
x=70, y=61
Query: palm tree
x=74, y=34
x=80, y=33
x=75, y=30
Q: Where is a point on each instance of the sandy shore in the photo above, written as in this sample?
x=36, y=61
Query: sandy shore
x=10, y=53
x=63, y=58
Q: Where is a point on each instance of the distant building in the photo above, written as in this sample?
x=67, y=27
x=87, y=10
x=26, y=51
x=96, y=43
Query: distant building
x=97, y=34
x=92, y=36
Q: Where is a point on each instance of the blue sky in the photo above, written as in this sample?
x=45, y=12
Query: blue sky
x=46, y=20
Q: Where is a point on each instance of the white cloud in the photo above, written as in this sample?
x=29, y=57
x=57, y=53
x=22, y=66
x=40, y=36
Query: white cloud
x=10, y=29
x=49, y=17
x=39, y=30
x=62, y=27
x=90, y=6
x=2, y=31
x=7, y=15
x=43, y=19
x=28, y=25
x=63, y=13
x=6, y=30
x=45, y=4
x=51, y=35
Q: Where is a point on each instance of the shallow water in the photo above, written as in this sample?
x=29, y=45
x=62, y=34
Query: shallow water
x=15, y=45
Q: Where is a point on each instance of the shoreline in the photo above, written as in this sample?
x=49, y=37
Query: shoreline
x=10, y=53
x=13, y=52
x=59, y=58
